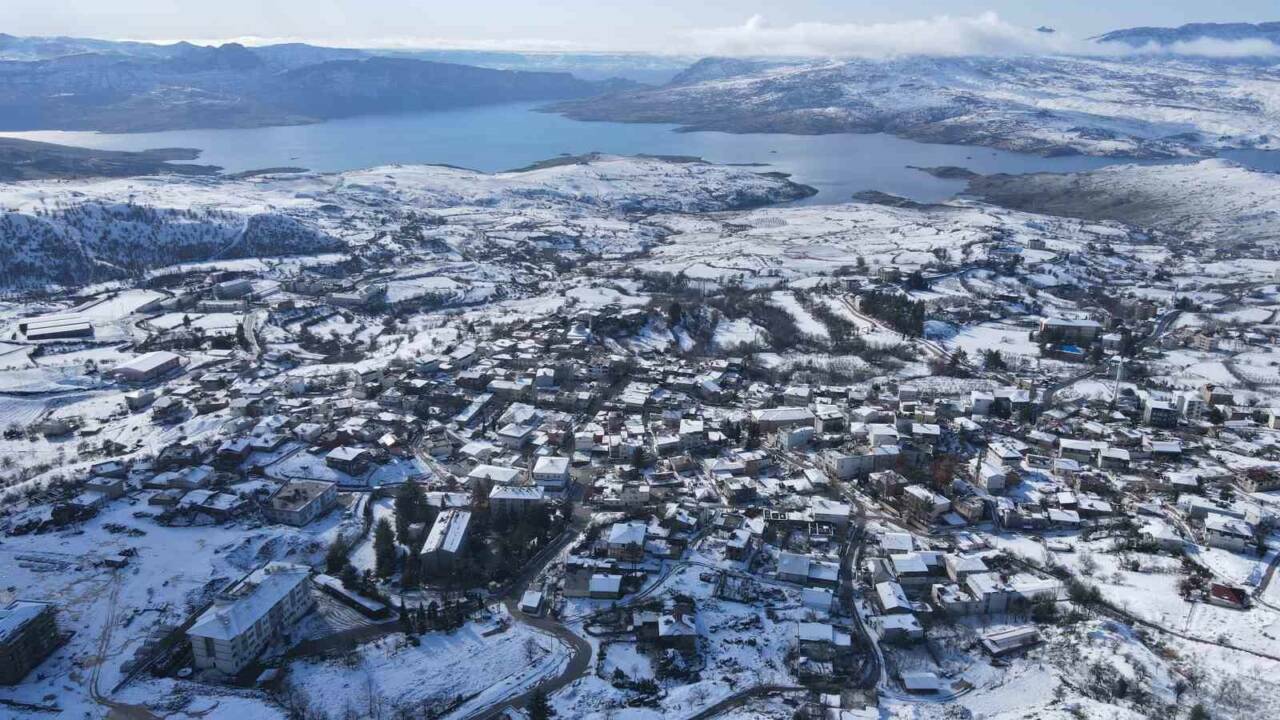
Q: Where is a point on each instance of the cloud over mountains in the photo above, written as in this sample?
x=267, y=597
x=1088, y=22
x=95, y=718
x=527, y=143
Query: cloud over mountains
x=941, y=36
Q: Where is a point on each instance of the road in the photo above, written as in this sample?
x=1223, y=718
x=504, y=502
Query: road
x=580, y=660
x=741, y=698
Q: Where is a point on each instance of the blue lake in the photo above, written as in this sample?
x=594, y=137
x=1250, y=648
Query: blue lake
x=505, y=137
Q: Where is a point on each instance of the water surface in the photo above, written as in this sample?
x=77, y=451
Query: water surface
x=504, y=137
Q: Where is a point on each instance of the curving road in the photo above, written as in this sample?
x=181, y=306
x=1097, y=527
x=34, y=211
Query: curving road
x=580, y=659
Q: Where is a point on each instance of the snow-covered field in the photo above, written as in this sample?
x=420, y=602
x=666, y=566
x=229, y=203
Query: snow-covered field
x=465, y=670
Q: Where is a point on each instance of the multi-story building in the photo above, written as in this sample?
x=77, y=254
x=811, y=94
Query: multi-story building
x=28, y=633
x=298, y=502
x=515, y=499
x=551, y=473
x=249, y=616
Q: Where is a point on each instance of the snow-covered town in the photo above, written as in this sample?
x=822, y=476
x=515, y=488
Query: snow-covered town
x=625, y=437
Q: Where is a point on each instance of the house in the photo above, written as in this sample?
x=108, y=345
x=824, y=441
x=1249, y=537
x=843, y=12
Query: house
x=605, y=587
x=146, y=367
x=515, y=435
x=896, y=543
x=551, y=473
x=774, y=419
x=740, y=545
x=820, y=640
x=888, y=483
x=677, y=629
x=350, y=460
x=923, y=503
x=818, y=599
x=899, y=629
x=249, y=616
x=1082, y=451
x=1211, y=394
x=1229, y=596
x=1067, y=330
x=990, y=477
x=513, y=500
x=494, y=474
x=110, y=487
x=626, y=540
x=891, y=598
x=1160, y=413
x=1011, y=640
x=447, y=539
x=531, y=603
x=1228, y=533
x=298, y=502
x=28, y=634
x=793, y=568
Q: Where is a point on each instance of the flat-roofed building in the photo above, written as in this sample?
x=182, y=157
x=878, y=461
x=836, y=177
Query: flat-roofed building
x=60, y=331
x=515, y=499
x=298, y=502
x=551, y=473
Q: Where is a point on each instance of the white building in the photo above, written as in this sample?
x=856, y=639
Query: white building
x=146, y=367
x=551, y=473
x=249, y=616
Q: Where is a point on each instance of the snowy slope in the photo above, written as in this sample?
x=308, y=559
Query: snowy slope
x=72, y=233
x=1212, y=201
x=1051, y=105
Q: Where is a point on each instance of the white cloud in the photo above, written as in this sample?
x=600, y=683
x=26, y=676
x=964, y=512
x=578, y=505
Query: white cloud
x=942, y=36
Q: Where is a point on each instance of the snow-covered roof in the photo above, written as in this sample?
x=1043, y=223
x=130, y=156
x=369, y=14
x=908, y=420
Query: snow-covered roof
x=517, y=492
x=628, y=533
x=148, y=363
x=448, y=532
x=605, y=583
x=16, y=615
x=551, y=466
x=250, y=600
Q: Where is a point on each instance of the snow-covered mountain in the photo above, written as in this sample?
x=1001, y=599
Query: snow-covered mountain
x=1145, y=107
x=1213, y=201
x=1192, y=32
x=138, y=87
x=72, y=233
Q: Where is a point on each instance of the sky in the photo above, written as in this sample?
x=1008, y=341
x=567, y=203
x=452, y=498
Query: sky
x=672, y=26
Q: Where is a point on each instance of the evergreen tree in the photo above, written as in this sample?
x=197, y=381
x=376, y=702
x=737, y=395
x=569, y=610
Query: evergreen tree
x=539, y=708
x=350, y=580
x=412, y=575
x=335, y=560
x=384, y=548
x=675, y=313
x=410, y=508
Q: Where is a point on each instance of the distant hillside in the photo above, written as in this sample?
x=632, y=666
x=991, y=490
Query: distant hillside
x=96, y=240
x=1140, y=36
x=73, y=233
x=1126, y=106
x=342, y=88
x=29, y=160
x=716, y=68
x=77, y=84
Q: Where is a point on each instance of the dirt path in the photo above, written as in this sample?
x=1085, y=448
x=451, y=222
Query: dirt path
x=115, y=710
